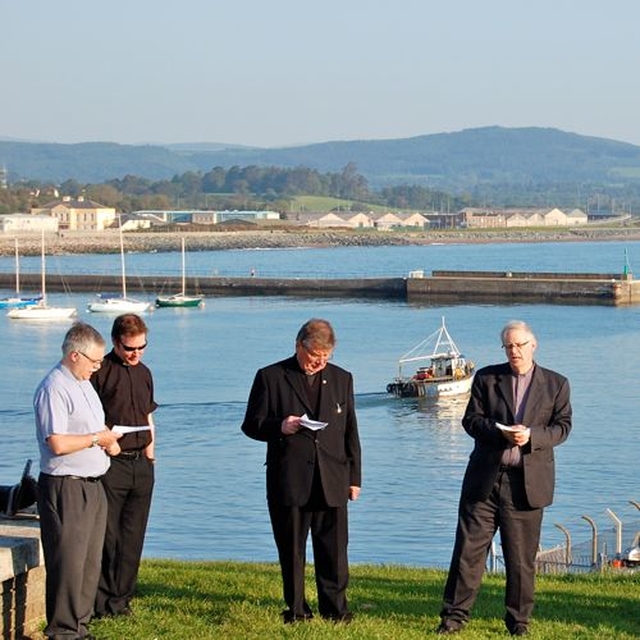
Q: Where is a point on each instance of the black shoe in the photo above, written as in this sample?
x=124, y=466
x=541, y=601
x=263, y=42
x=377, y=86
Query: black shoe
x=340, y=618
x=520, y=630
x=288, y=617
x=447, y=626
x=127, y=611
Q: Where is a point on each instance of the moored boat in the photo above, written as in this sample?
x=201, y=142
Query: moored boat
x=17, y=301
x=119, y=304
x=41, y=310
x=442, y=371
x=180, y=299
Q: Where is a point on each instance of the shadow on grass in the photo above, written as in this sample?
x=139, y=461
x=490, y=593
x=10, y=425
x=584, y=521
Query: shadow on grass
x=244, y=599
x=210, y=590
x=402, y=593
x=584, y=601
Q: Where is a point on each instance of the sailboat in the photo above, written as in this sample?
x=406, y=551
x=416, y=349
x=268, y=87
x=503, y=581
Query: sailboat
x=41, y=310
x=18, y=301
x=180, y=299
x=119, y=304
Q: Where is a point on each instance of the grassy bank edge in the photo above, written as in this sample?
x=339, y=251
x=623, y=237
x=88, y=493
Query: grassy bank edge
x=243, y=600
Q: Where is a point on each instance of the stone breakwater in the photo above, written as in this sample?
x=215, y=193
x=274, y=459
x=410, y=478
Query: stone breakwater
x=78, y=242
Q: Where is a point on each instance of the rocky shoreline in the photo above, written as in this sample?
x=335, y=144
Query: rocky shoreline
x=277, y=238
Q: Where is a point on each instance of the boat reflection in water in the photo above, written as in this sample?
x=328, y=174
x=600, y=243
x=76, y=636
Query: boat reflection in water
x=444, y=371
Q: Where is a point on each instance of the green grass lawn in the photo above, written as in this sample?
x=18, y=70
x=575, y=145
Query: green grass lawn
x=180, y=600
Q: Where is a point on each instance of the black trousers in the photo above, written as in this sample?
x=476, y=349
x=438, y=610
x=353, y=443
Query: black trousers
x=329, y=537
x=505, y=509
x=73, y=515
x=128, y=485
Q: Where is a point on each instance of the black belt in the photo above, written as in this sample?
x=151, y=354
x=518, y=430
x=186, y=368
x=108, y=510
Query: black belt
x=81, y=478
x=90, y=479
x=509, y=468
x=131, y=455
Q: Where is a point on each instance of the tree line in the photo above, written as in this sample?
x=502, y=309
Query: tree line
x=250, y=187
x=271, y=187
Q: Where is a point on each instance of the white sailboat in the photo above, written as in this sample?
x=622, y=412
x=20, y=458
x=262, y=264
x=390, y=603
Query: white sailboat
x=16, y=301
x=41, y=310
x=119, y=304
x=180, y=299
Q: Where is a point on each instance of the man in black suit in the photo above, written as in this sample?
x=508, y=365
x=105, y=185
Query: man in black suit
x=312, y=471
x=517, y=413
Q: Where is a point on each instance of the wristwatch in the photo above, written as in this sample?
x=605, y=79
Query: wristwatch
x=95, y=441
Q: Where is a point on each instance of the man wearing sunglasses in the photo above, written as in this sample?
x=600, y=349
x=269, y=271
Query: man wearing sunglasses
x=125, y=387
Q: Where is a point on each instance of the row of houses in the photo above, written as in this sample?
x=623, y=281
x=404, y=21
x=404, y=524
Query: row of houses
x=487, y=218
x=80, y=214
x=469, y=217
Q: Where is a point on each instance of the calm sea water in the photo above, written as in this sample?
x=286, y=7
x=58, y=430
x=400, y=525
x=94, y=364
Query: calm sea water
x=210, y=496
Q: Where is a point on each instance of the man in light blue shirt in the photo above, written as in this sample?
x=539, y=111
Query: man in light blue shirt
x=73, y=442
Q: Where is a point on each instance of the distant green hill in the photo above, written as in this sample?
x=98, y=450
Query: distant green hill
x=460, y=161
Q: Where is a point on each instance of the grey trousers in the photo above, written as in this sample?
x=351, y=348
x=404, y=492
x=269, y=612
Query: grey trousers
x=73, y=518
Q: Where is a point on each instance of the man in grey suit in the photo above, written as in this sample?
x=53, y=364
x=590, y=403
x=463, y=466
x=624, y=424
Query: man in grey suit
x=517, y=413
x=312, y=470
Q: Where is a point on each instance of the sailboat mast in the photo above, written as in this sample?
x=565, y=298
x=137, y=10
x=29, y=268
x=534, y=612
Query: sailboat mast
x=124, y=277
x=184, y=279
x=42, y=269
x=17, y=268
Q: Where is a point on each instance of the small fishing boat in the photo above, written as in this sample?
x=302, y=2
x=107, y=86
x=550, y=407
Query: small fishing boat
x=180, y=299
x=442, y=371
x=17, y=301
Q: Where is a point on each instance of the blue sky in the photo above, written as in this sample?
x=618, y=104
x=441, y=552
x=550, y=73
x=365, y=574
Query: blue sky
x=283, y=72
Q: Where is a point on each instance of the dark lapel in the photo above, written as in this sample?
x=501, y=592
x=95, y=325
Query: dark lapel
x=325, y=410
x=296, y=381
x=504, y=389
x=536, y=389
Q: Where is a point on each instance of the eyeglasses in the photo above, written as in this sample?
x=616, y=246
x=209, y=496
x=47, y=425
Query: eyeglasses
x=129, y=349
x=95, y=362
x=515, y=345
x=325, y=356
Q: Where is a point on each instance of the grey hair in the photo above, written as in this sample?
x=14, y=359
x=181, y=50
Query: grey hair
x=516, y=325
x=81, y=337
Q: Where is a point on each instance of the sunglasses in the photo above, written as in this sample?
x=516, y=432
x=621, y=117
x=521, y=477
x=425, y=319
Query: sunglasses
x=129, y=349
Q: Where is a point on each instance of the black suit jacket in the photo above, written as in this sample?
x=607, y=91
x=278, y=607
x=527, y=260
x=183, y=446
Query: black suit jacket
x=547, y=414
x=278, y=392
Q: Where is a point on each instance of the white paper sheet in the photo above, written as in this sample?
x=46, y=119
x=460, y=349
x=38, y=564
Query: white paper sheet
x=314, y=425
x=504, y=427
x=118, y=428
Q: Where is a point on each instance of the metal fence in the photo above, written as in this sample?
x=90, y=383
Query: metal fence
x=607, y=547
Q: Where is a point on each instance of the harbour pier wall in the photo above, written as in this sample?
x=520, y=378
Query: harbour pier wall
x=550, y=288
x=441, y=286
